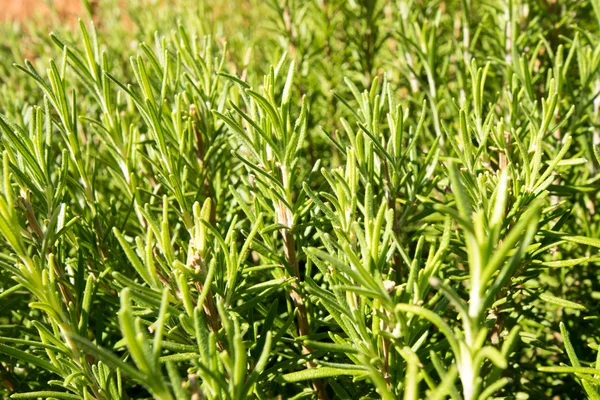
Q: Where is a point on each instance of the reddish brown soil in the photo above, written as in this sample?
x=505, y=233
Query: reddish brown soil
x=19, y=10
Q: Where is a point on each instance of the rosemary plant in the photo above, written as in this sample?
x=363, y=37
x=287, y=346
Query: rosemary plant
x=301, y=199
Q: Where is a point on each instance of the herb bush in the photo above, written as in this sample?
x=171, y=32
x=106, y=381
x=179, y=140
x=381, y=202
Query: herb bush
x=301, y=199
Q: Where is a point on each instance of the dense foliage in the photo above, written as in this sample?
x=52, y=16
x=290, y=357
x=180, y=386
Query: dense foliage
x=301, y=199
